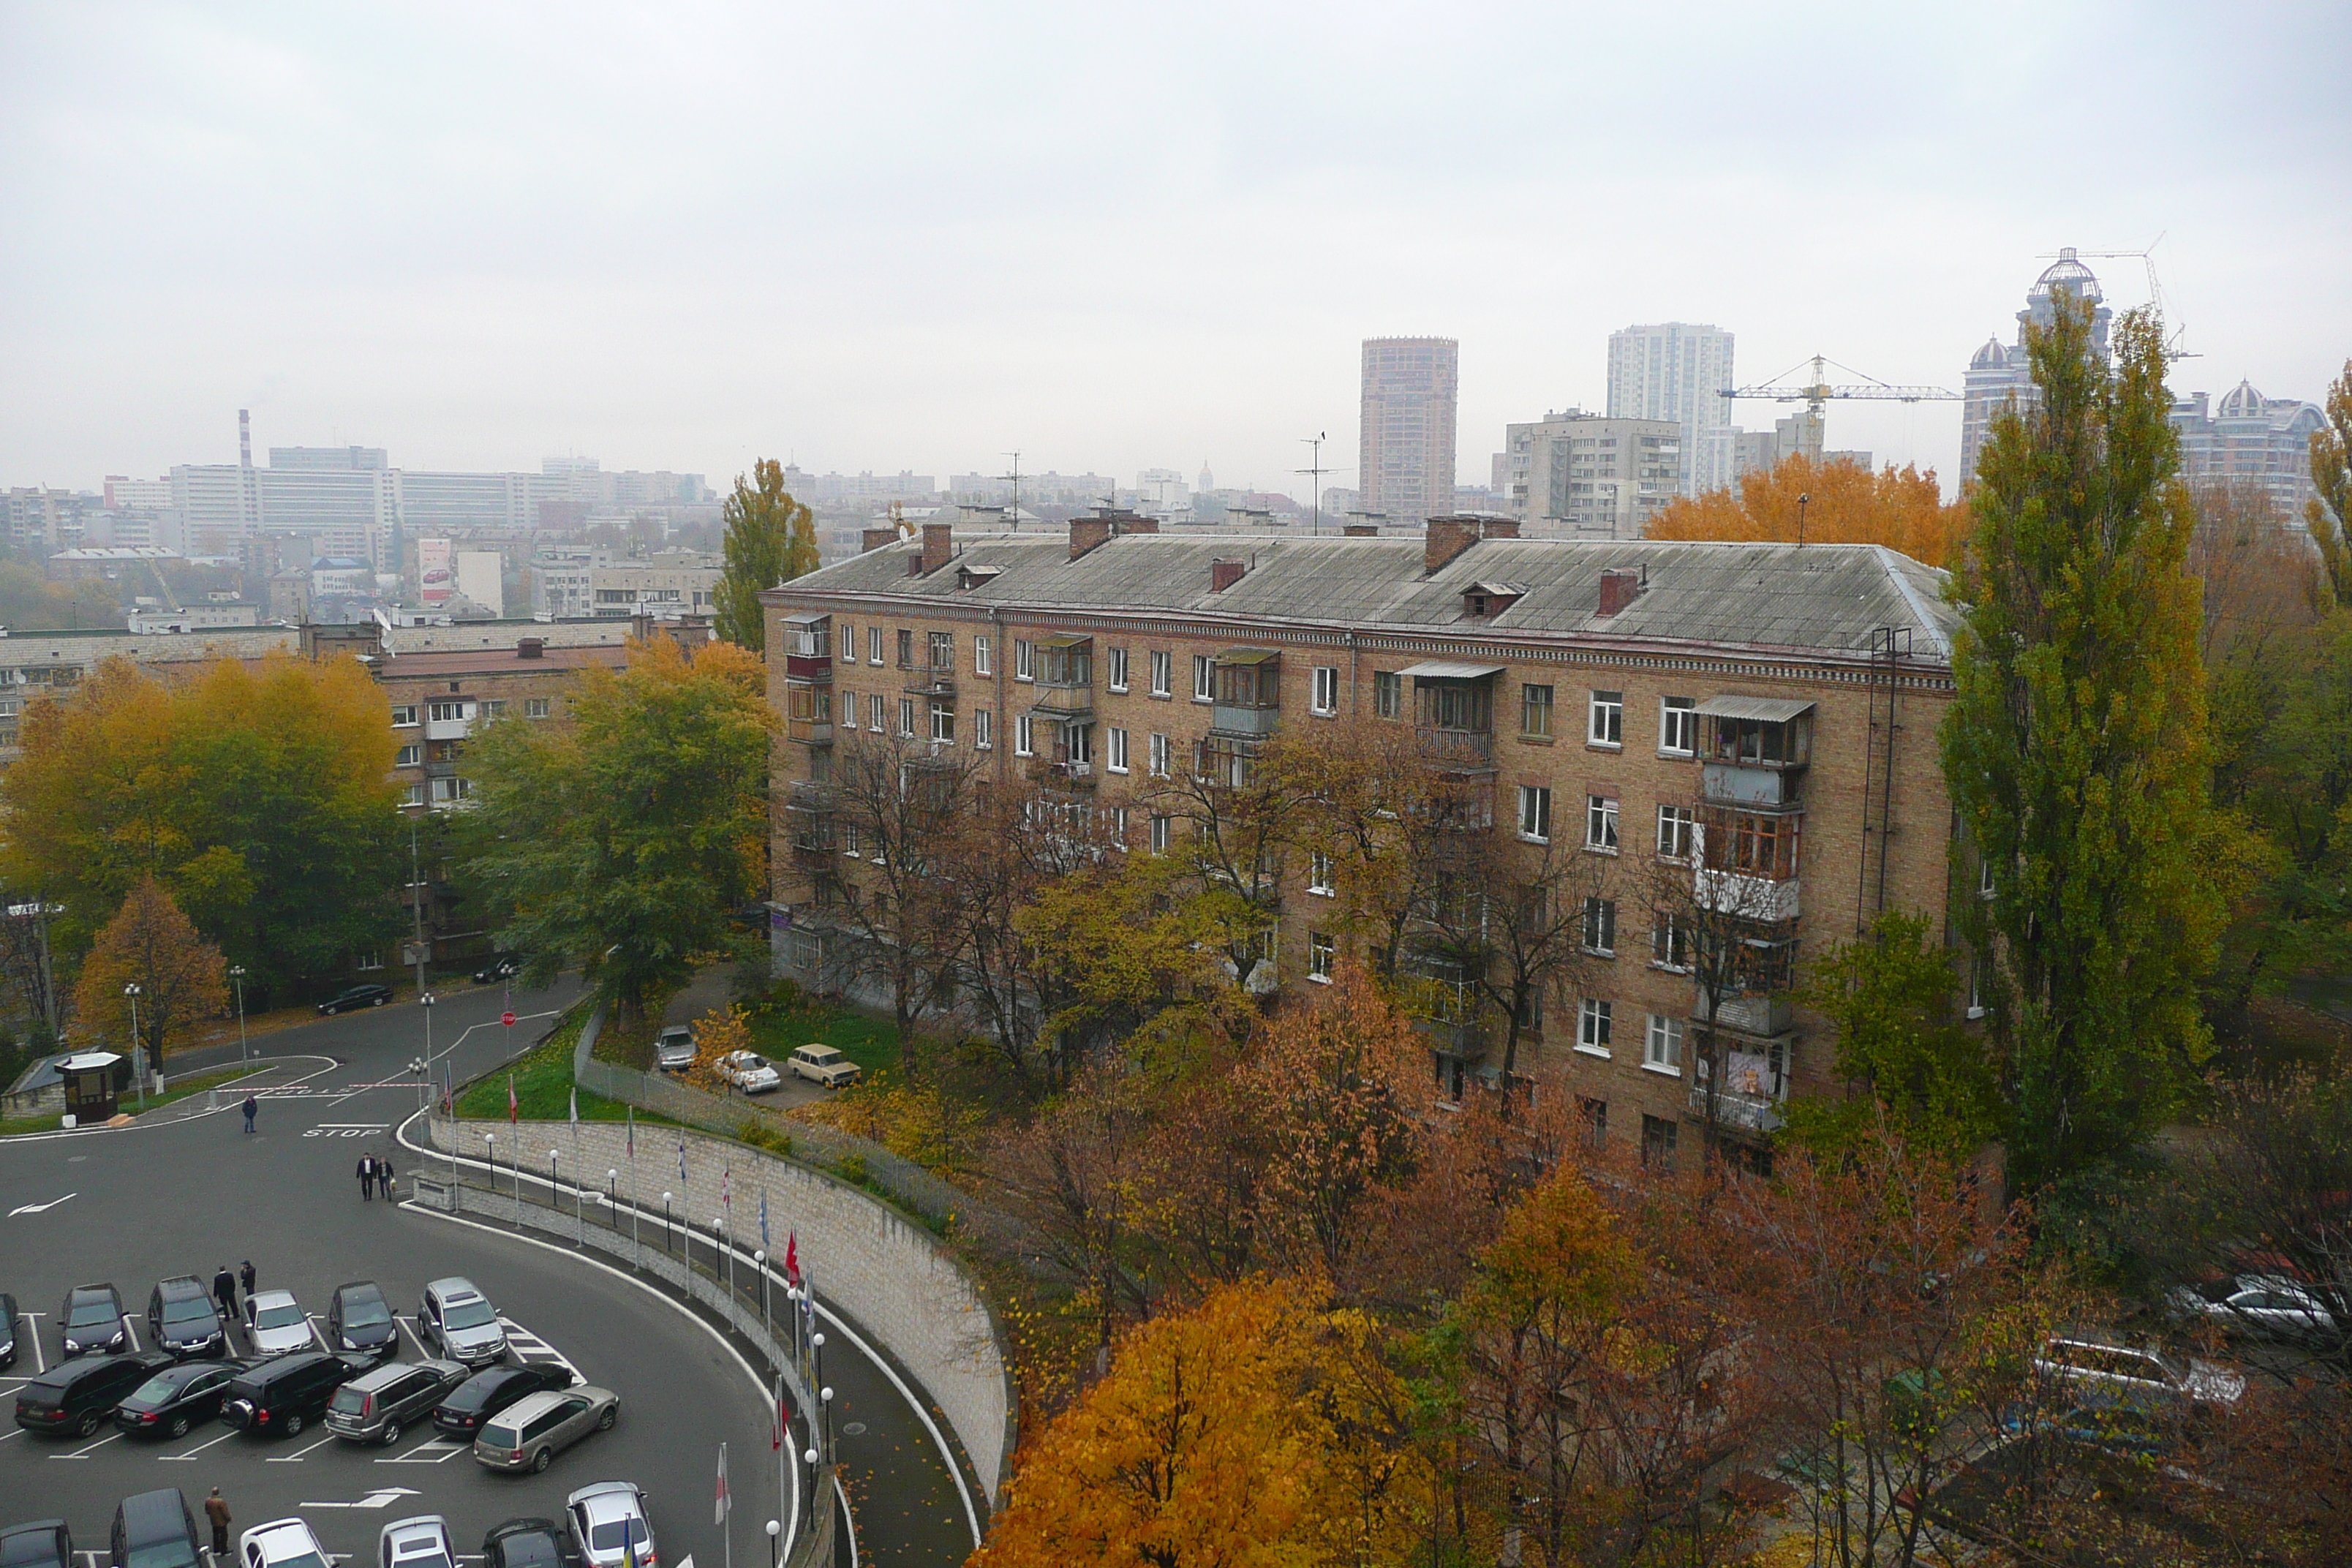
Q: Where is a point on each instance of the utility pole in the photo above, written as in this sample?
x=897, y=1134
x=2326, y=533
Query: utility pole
x=1316, y=473
x=416, y=901
x=1015, y=476
x=237, y=974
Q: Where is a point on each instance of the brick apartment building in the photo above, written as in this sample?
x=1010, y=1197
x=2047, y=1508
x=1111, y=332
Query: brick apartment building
x=1647, y=702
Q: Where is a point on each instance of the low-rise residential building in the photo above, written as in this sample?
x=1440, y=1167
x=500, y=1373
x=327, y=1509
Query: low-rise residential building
x=1735, y=740
x=1580, y=475
x=665, y=585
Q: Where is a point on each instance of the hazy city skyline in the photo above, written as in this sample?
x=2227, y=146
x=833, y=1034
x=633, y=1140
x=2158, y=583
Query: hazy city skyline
x=479, y=239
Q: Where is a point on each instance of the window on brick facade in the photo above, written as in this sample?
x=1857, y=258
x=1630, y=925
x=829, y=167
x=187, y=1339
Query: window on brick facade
x=1535, y=709
x=1024, y=659
x=1535, y=813
x=1117, y=665
x=1677, y=726
x=1601, y=925
x=1608, y=719
x=1159, y=756
x=1388, y=694
x=1163, y=673
x=1662, y=1047
x=534, y=707
x=1675, y=824
x=1115, y=749
x=1593, y=1023
x=983, y=729
x=1326, y=697
x=1204, y=677
x=1600, y=822
x=1322, y=955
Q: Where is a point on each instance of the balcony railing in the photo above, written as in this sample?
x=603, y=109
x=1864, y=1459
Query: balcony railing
x=1456, y=748
x=809, y=794
x=1760, y=899
x=1730, y=783
x=1064, y=702
x=1754, y=1113
x=1068, y=775
x=938, y=683
x=1252, y=724
x=1762, y=1013
x=809, y=666
x=1455, y=1038
x=808, y=732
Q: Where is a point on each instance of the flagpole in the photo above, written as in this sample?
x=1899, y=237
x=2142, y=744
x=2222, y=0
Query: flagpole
x=635, y=1244
x=726, y=1512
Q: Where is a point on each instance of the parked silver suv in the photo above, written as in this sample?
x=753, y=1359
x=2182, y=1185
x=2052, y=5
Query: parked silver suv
x=674, y=1049
x=459, y=1322
x=374, y=1406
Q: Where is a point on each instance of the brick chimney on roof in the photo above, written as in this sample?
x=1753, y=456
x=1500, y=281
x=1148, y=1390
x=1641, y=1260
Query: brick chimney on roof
x=1086, y=532
x=938, y=545
x=875, y=538
x=1223, y=574
x=1449, y=536
x=1361, y=531
x=1620, y=587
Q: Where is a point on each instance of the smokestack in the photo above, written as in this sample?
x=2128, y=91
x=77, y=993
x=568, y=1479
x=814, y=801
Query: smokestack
x=244, y=437
x=875, y=538
x=938, y=546
x=1620, y=587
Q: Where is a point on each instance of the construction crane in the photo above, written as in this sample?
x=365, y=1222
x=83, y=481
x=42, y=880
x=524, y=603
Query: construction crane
x=2146, y=255
x=1817, y=389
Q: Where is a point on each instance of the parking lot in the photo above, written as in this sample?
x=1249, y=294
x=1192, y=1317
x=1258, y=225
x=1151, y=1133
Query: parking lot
x=192, y=1194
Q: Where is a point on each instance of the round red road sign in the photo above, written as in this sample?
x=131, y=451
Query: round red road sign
x=508, y=1019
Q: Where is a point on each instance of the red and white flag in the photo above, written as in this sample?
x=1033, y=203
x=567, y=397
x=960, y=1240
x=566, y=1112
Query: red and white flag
x=513, y=1110
x=724, y=1502
x=776, y=1428
x=793, y=1258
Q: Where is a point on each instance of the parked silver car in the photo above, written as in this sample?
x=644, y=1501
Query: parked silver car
x=459, y=1322
x=419, y=1542
x=604, y=1519
x=275, y=1323
x=375, y=1405
x=2261, y=1304
x=2139, y=1376
x=529, y=1432
x=674, y=1049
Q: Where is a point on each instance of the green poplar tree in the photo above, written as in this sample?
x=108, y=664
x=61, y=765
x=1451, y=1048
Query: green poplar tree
x=2329, y=514
x=2076, y=755
x=771, y=539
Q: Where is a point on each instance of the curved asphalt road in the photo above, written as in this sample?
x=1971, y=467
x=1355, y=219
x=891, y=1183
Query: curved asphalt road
x=184, y=1191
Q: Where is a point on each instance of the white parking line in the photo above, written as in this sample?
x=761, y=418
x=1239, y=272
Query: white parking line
x=296, y=1458
x=439, y=1451
x=317, y=1333
x=527, y=1346
x=133, y=1329
x=33, y=1332
x=85, y=1453
x=199, y=1448
x=410, y=1324
x=5, y=1435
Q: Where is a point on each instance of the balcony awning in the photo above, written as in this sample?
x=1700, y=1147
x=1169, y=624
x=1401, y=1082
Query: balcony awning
x=1065, y=640
x=1441, y=669
x=1772, y=709
x=808, y=618
x=1064, y=716
x=1235, y=657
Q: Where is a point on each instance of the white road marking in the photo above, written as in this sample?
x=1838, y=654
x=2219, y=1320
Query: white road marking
x=413, y=1338
x=296, y=1456
x=317, y=1333
x=199, y=1448
x=527, y=1346
x=133, y=1329
x=33, y=1332
x=439, y=1451
x=5, y=1435
x=382, y=1497
x=41, y=1208
x=85, y=1453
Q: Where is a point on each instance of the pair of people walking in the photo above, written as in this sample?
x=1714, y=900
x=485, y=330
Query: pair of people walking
x=375, y=1173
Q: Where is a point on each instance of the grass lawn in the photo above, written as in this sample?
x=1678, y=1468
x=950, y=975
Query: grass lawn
x=542, y=1086
x=872, y=1044
x=176, y=1088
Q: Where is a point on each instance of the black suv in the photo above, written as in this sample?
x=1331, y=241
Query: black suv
x=79, y=1396
x=181, y=1318
x=91, y=1319
x=285, y=1392
x=359, y=1319
x=344, y=1001
x=525, y=1544
x=155, y=1530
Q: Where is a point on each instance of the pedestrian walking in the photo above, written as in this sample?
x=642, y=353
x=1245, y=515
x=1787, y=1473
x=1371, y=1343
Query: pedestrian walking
x=367, y=1177
x=216, y=1509
x=384, y=1178
x=245, y=1276
x=251, y=1105
x=225, y=1292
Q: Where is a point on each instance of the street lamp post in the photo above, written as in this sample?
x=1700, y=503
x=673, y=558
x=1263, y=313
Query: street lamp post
x=492, y=1140
x=775, y=1530
x=726, y=1243
x=817, y=1369
x=760, y=1259
x=236, y=977
x=613, y=1200
x=824, y=1397
x=425, y=1000
x=667, y=1242
x=138, y=1062
x=551, y=1190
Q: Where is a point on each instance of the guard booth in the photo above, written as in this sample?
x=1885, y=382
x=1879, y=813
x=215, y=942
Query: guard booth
x=94, y=1081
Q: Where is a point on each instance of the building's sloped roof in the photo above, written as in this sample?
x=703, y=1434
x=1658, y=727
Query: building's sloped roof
x=1818, y=597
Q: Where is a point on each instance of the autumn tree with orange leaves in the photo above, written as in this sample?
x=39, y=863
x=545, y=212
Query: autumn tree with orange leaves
x=1845, y=503
x=151, y=945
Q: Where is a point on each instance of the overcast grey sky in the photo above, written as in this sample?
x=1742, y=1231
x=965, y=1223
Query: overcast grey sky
x=886, y=236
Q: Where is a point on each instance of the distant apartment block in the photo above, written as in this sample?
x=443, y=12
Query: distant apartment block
x=1998, y=371
x=666, y=586
x=1678, y=370
x=2250, y=440
x=1582, y=475
x=1405, y=445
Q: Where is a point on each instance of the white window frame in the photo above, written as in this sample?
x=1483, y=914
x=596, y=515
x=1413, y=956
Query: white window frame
x=1602, y=941
x=1161, y=833
x=1024, y=659
x=848, y=648
x=409, y=756
x=942, y=724
x=878, y=713
x=1322, y=956
x=1677, y=832
x=1604, y=723
x=1600, y=824
x=535, y=708
x=1325, y=700
x=415, y=793
x=1024, y=735
x=1677, y=717
x=874, y=654
x=907, y=718
x=1661, y=1045
x=1159, y=757
x=404, y=716
x=983, y=729
x=1667, y=932
x=1163, y=673
x=1115, y=749
x=1117, y=680
x=1204, y=677
x=1319, y=875
x=1535, y=813
x=980, y=655
x=1594, y=1023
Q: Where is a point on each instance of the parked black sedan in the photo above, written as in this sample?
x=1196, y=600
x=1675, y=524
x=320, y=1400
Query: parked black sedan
x=42, y=1544
x=177, y=1398
x=7, y=1331
x=505, y=966
x=486, y=1393
x=344, y=1001
x=525, y=1544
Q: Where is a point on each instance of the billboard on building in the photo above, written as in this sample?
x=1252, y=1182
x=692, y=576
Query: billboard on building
x=437, y=570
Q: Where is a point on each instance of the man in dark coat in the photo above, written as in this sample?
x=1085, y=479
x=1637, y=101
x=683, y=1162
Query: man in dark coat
x=367, y=1177
x=216, y=1509
x=251, y=1105
x=245, y=1276
x=225, y=1292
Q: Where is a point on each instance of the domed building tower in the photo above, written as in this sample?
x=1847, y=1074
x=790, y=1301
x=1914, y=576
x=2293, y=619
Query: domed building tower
x=1999, y=372
x=2248, y=440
